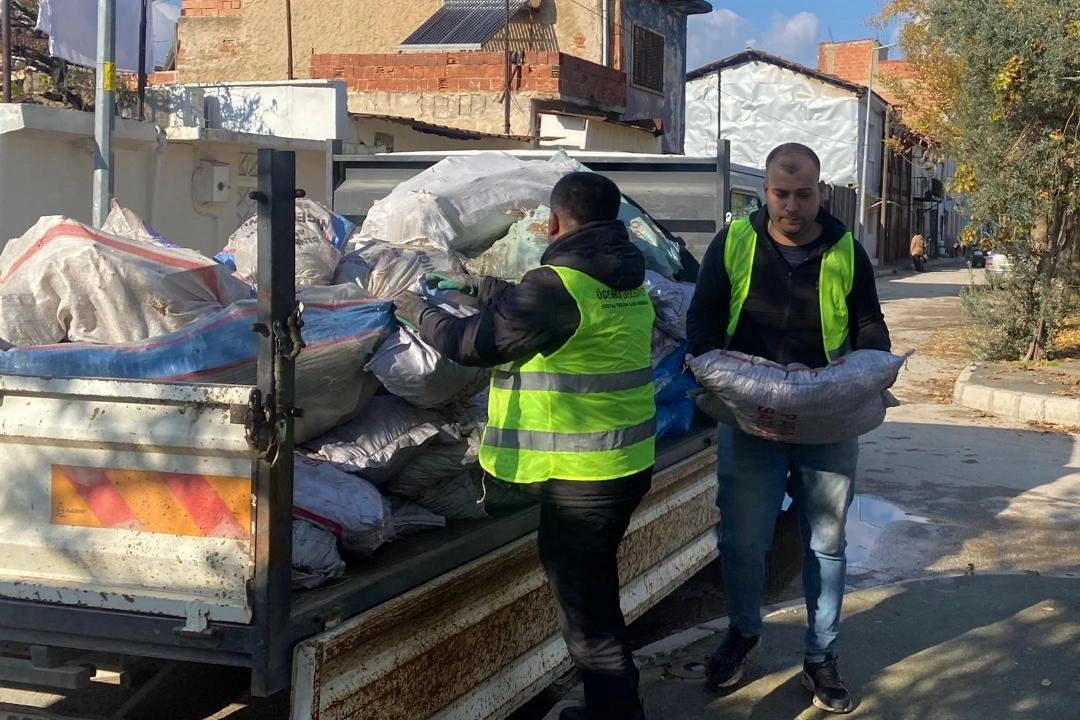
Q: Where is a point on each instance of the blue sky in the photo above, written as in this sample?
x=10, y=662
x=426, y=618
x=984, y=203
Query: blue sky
x=791, y=29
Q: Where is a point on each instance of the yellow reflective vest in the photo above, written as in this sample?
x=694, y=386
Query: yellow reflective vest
x=585, y=412
x=834, y=284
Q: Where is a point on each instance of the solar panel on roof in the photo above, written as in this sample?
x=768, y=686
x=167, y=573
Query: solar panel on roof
x=464, y=23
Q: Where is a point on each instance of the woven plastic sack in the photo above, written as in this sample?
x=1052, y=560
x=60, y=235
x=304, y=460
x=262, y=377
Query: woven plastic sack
x=410, y=518
x=331, y=385
x=315, y=557
x=413, y=370
x=795, y=403
x=126, y=223
x=457, y=497
x=464, y=202
x=319, y=235
x=383, y=438
x=346, y=505
x=386, y=270
x=518, y=252
x=63, y=280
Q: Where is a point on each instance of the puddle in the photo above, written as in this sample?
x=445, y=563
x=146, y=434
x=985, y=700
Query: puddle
x=867, y=517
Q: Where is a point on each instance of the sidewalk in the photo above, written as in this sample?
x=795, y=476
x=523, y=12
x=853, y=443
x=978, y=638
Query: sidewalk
x=1046, y=394
x=954, y=648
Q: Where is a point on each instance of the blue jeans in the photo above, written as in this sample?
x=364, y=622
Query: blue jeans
x=753, y=475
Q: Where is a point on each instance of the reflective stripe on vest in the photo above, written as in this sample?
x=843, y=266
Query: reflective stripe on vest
x=834, y=284
x=585, y=412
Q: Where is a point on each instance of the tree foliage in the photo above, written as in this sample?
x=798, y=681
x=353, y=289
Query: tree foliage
x=997, y=84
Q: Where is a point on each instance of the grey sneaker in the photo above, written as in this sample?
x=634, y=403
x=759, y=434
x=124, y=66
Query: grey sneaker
x=823, y=680
x=727, y=665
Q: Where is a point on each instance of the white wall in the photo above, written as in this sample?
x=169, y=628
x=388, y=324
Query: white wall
x=304, y=109
x=46, y=168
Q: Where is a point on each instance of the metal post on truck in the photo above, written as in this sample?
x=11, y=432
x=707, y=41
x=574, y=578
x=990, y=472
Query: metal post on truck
x=271, y=407
x=723, y=182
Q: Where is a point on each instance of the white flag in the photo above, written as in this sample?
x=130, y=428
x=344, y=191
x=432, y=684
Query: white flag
x=72, y=29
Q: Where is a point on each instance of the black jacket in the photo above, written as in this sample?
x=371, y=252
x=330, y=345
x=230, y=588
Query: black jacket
x=781, y=318
x=537, y=315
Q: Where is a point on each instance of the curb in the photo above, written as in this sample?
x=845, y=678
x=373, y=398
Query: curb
x=969, y=393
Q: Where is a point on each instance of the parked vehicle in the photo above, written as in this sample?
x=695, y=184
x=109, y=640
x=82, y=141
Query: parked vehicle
x=455, y=623
x=976, y=258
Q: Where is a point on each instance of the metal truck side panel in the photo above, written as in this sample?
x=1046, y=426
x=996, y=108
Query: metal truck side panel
x=126, y=496
x=478, y=641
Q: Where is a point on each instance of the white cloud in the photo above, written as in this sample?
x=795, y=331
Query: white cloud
x=724, y=32
x=794, y=38
x=716, y=35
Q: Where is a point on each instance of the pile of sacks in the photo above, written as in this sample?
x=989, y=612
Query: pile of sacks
x=388, y=442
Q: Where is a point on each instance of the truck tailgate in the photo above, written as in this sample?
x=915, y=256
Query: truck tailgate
x=126, y=495
x=478, y=641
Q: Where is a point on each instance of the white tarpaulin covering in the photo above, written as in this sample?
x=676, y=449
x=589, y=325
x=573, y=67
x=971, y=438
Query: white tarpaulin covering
x=765, y=105
x=72, y=29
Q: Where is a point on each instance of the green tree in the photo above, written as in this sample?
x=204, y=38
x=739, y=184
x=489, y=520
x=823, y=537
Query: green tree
x=997, y=84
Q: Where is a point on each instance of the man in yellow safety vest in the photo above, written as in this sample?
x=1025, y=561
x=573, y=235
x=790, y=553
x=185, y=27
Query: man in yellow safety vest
x=571, y=414
x=791, y=285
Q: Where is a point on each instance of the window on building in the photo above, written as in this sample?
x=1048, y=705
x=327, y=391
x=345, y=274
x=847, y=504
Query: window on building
x=648, y=66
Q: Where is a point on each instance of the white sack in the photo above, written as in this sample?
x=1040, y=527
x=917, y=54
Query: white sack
x=383, y=438
x=317, y=245
x=464, y=202
x=795, y=403
x=63, y=280
x=386, y=270
x=346, y=505
x=411, y=369
x=518, y=252
x=127, y=223
x=315, y=557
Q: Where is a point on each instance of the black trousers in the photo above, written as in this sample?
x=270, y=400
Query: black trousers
x=578, y=539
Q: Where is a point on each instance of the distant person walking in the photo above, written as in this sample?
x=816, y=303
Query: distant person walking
x=918, y=252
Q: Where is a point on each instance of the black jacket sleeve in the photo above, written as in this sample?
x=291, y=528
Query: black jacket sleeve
x=866, y=322
x=707, y=318
x=515, y=322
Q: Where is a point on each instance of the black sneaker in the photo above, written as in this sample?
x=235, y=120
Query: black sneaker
x=727, y=665
x=823, y=680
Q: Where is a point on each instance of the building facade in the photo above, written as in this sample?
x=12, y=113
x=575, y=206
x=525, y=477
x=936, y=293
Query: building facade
x=433, y=61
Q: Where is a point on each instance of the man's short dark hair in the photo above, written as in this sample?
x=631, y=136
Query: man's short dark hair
x=586, y=197
x=792, y=149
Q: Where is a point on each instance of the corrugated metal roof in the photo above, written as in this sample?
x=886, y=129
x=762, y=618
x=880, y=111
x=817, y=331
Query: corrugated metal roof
x=463, y=23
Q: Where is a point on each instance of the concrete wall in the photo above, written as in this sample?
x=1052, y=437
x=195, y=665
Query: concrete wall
x=306, y=109
x=246, y=39
x=375, y=131
x=46, y=168
x=584, y=133
x=643, y=104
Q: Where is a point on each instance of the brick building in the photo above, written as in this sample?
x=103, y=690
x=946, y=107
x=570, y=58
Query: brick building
x=433, y=61
x=923, y=204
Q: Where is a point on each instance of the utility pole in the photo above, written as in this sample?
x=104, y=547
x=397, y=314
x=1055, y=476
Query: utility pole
x=7, y=50
x=863, y=189
x=104, y=110
x=143, y=8
x=288, y=39
x=506, y=90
